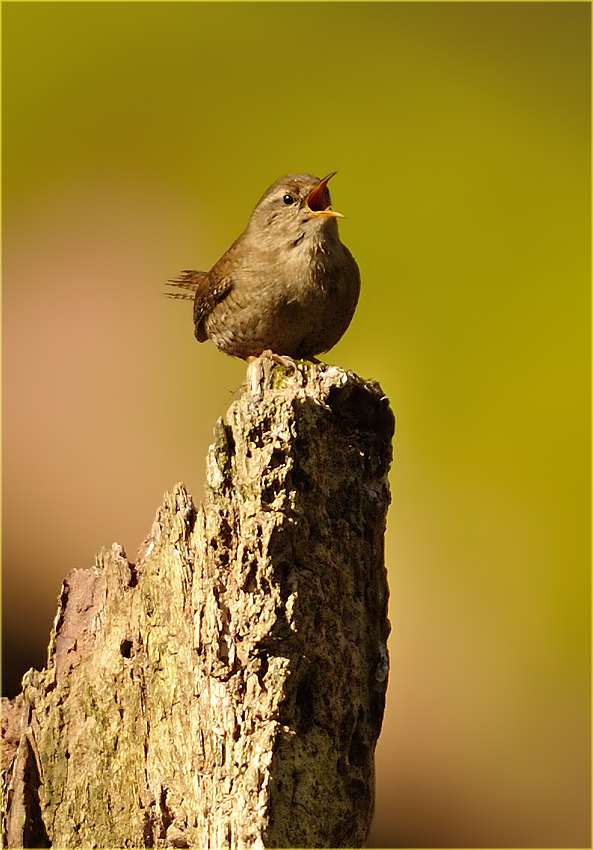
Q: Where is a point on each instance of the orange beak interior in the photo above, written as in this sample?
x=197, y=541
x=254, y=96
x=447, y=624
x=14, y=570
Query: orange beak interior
x=318, y=199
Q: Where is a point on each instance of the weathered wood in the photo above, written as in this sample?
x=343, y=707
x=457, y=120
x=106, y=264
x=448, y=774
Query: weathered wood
x=227, y=689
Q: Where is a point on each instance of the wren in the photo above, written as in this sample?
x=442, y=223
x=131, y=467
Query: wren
x=287, y=285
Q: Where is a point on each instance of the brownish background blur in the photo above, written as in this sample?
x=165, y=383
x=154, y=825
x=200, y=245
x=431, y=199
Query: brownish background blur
x=137, y=138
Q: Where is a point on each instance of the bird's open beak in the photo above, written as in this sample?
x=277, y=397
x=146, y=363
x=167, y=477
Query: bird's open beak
x=318, y=199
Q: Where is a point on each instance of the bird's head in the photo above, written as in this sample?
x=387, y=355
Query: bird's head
x=294, y=206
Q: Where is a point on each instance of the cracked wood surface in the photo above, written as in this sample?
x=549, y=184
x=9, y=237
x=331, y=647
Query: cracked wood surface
x=227, y=689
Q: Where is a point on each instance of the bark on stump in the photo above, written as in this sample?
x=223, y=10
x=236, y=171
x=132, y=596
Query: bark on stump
x=227, y=689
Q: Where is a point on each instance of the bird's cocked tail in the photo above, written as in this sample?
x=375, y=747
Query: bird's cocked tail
x=188, y=281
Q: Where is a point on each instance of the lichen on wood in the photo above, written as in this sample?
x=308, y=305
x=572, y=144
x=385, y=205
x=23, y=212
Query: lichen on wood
x=226, y=689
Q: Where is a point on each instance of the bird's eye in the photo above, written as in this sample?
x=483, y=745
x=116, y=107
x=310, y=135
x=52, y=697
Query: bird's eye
x=288, y=199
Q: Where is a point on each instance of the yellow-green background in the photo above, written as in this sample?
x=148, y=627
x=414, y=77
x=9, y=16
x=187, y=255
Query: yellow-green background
x=137, y=138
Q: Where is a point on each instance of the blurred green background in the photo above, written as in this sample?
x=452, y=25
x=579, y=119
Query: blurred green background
x=137, y=139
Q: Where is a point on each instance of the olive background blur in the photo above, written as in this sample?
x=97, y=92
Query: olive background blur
x=137, y=139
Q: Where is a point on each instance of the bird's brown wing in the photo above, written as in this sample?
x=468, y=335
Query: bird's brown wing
x=208, y=295
x=206, y=292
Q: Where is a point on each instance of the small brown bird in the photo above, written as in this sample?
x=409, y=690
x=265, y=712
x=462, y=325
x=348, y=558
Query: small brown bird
x=287, y=285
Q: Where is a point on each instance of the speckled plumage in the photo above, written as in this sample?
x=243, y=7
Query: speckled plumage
x=287, y=284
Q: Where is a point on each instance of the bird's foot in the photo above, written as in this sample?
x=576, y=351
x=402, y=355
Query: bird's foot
x=259, y=370
x=279, y=359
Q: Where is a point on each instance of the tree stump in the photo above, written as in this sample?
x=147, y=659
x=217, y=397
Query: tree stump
x=227, y=689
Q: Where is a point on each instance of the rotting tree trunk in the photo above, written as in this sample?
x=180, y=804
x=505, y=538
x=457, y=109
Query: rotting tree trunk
x=227, y=689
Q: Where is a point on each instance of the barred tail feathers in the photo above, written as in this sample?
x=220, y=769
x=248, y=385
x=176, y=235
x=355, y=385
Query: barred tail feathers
x=188, y=281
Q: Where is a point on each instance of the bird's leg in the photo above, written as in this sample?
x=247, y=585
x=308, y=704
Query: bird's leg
x=255, y=377
x=259, y=373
